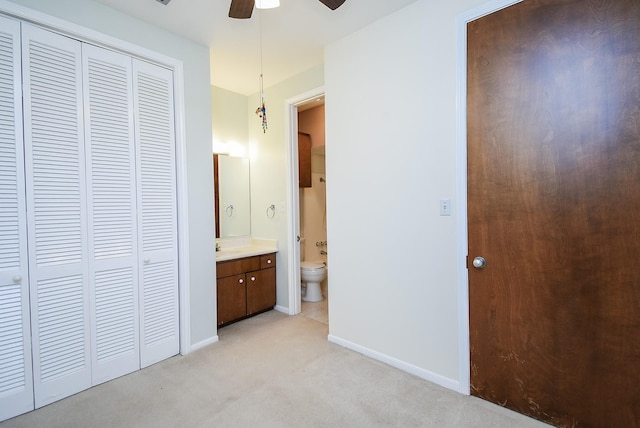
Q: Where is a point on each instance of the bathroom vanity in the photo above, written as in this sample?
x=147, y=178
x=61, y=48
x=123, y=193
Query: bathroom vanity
x=245, y=266
x=246, y=284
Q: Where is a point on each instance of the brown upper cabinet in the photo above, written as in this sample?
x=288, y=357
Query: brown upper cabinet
x=304, y=159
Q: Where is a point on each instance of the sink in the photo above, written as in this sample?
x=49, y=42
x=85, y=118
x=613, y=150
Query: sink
x=243, y=251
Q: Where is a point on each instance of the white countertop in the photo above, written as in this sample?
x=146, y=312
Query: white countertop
x=230, y=250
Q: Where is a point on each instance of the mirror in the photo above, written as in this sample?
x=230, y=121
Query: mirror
x=232, y=196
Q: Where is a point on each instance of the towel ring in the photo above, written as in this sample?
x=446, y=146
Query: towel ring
x=229, y=210
x=271, y=211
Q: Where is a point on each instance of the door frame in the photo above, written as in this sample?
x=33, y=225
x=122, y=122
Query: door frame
x=464, y=381
x=97, y=38
x=293, y=196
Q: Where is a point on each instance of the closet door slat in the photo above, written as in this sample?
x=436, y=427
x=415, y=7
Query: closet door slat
x=157, y=212
x=113, y=250
x=16, y=381
x=57, y=215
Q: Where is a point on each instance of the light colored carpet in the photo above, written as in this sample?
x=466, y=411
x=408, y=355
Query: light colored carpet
x=271, y=371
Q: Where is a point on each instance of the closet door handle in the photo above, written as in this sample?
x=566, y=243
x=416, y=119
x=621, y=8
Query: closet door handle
x=146, y=261
x=17, y=279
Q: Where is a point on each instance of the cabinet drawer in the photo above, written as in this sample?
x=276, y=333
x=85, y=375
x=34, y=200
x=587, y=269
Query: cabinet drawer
x=237, y=266
x=268, y=261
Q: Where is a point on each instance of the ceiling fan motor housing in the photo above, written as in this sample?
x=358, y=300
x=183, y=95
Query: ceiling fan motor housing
x=242, y=9
x=164, y=2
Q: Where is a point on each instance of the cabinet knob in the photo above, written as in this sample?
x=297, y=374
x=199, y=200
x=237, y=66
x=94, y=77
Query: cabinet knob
x=253, y=278
x=269, y=261
x=17, y=279
x=147, y=260
x=241, y=281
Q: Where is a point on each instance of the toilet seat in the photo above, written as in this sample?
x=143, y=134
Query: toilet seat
x=312, y=266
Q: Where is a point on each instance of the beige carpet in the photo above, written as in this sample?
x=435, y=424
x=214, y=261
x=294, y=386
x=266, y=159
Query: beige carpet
x=271, y=371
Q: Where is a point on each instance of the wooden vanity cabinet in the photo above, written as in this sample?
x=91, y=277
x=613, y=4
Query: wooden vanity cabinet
x=246, y=287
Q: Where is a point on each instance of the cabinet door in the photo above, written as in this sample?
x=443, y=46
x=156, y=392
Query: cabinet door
x=157, y=212
x=57, y=215
x=304, y=160
x=261, y=290
x=16, y=382
x=113, y=251
x=231, y=298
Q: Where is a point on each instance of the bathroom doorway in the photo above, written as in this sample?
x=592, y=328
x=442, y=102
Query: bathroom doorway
x=313, y=209
x=307, y=226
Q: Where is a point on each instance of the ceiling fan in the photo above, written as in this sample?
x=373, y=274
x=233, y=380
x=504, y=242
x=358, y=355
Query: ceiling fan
x=242, y=9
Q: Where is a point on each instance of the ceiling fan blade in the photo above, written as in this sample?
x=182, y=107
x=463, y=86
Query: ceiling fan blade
x=241, y=9
x=333, y=4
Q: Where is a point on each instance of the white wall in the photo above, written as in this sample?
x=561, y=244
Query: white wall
x=197, y=116
x=269, y=153
x=391, y=155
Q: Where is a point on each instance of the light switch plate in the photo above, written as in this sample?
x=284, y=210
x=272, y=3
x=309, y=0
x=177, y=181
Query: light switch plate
x=445, y=207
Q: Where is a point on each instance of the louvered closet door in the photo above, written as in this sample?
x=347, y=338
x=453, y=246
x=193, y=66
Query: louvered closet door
x=56, y=206
x=16, y=383
x=157, y=219
x=113, y=252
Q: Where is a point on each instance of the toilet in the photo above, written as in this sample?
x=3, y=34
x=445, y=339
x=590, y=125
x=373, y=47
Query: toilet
x=312, y=274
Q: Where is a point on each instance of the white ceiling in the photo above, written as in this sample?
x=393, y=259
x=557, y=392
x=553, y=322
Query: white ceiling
x=293, y=35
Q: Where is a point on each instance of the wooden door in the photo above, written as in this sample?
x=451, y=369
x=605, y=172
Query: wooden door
x=554, y=208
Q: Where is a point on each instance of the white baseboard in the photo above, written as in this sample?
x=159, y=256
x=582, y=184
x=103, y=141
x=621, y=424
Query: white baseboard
x=203, y=343
x=282, y=309
x=399, y=364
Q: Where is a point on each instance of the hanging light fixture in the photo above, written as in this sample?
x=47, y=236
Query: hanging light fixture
x=261, y=111
x=267, y=4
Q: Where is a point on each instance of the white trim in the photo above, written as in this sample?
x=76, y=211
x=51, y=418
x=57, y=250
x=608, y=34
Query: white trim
x=85, y=34
x=464, y=383
x=184, y=278
x=204, y=343
x=88, y=35
x=399, y=364
x=293, y=202
x=282, y=309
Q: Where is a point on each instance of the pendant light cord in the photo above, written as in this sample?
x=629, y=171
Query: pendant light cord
x=262, y=109
x=261, y=56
